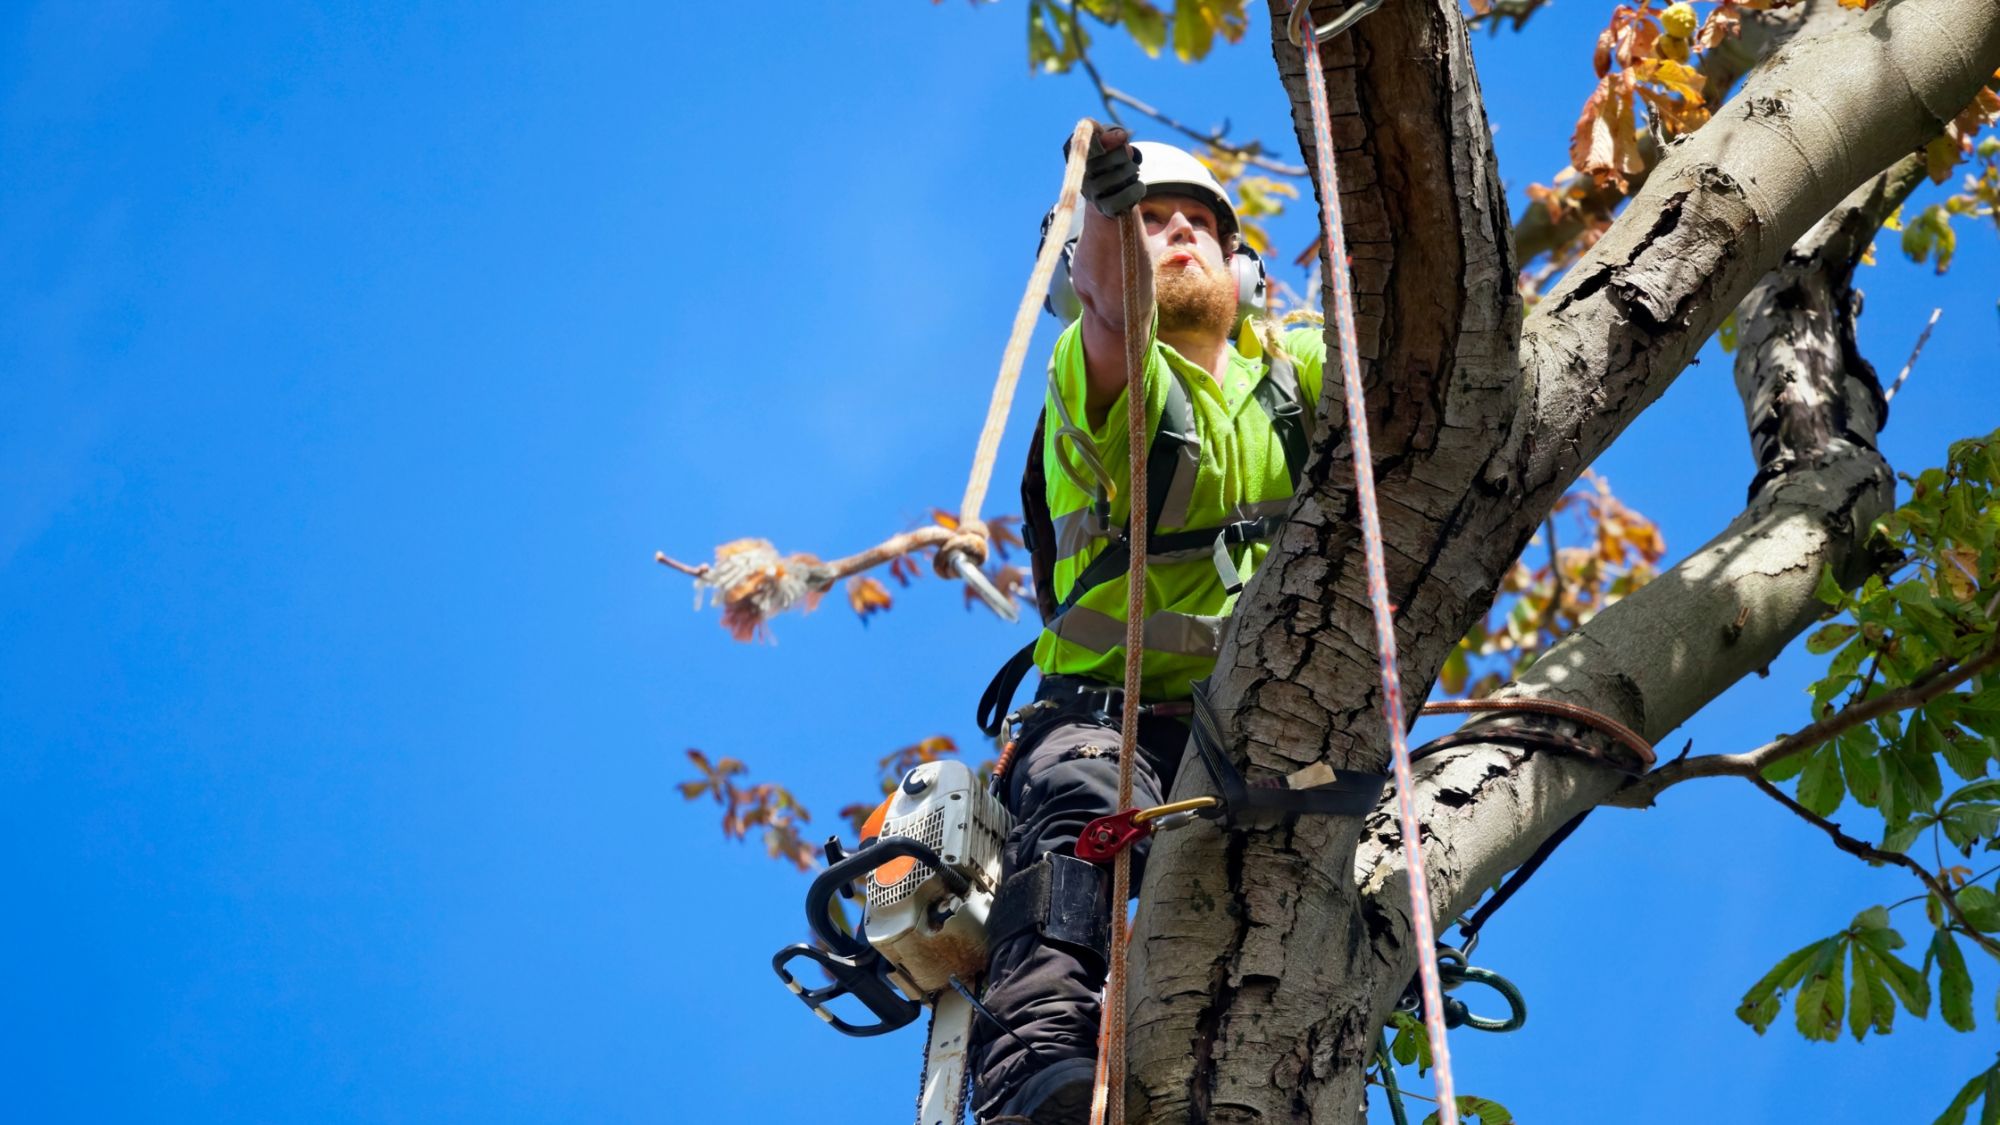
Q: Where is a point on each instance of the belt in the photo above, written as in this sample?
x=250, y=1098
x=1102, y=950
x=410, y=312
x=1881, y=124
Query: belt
x=1068, y=694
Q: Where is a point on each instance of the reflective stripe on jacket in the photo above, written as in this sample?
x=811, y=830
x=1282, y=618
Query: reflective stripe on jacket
x=1229, y=450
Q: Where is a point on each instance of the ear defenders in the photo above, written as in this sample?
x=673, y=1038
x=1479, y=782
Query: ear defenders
x=1252, y=283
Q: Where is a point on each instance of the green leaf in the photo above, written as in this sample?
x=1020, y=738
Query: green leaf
x=1193, y=33
x=1862, y=995
x=1980, y=907
x=1954, y=983
x=1967, y=755
x=1905, y=981
x=1829, y=637
x=1042, y=53
x=1785, y=769
x=1966, y=825
x=1488, y=1111
x=1899, y=838
x=1817, y=1008
x=1859, y=766
x=1148, y=25
x=1412, y=1043
x=1820, y=788
x=1829, y=590
x=1954, y=1114
x=1760, y=1005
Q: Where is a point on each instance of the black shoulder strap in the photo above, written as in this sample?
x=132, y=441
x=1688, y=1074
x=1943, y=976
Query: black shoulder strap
x=1176, y=429
x=1279, y=393
x=1038, y=529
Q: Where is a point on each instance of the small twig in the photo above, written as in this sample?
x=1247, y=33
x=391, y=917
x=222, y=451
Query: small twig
x=1374, y=1081
x=1914, y=898
x=1112, y=97
x=691, y=571
x=1251, y=154
x=1872, y=854
x=1090, y=68
x=892, y=547
x=1922, y=338
x=1941, y=678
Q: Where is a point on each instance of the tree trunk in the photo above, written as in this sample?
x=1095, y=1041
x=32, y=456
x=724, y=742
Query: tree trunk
x=1268, y=960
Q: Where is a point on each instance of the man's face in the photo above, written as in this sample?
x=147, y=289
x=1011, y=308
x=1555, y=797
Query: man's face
x=1192, y=280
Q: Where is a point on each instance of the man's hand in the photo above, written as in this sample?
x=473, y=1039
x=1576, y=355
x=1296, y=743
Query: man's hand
x=1111, y=173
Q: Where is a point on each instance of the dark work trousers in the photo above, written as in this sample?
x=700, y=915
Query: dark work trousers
x=1064, y=775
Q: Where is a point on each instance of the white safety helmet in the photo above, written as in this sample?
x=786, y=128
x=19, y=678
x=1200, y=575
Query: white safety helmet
x=1168, y=170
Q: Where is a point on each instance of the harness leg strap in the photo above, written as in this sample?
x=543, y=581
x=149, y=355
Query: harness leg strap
x=1063, y=898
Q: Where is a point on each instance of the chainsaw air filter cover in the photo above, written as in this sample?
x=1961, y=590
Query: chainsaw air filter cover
x=912, y=918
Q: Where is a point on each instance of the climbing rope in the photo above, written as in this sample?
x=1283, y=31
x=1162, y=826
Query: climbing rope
x=1107, y=1099
x=1016, y=352
x=1371, y=537
x=753, y=582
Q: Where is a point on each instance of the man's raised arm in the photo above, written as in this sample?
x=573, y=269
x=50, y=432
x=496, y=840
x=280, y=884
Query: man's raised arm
x=1111, y=184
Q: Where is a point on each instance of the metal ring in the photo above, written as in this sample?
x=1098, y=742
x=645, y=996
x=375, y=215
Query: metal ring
x=1302, y=11
x=1517, y=1005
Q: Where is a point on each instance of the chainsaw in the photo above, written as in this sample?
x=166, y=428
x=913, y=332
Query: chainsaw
x=928, y=868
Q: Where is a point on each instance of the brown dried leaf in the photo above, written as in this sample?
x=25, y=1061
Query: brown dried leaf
x=867, y=596
x=1606, y=143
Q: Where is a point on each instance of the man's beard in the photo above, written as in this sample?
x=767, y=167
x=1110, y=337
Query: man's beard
x=1195, y=300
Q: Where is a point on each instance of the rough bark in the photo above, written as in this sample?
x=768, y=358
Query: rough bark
x=1263, y=969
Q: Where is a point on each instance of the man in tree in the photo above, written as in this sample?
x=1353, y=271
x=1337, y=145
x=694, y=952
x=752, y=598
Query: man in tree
x=1229, y=409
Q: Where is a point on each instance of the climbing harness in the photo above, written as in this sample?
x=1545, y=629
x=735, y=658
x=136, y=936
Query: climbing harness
x=1277, y=394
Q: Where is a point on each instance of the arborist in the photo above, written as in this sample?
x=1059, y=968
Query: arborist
x=1230, y=409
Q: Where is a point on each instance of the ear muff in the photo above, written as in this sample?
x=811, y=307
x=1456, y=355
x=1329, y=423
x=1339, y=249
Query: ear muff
x=1062, y=301
x=1252, y=282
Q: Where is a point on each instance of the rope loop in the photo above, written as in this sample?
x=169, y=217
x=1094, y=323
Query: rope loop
x=970, y=540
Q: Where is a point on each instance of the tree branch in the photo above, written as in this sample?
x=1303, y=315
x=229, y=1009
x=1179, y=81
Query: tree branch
x=1760, y=35
x=1251, y=154
x=1875, y=855
x=1725, y=204
x=1940, y=679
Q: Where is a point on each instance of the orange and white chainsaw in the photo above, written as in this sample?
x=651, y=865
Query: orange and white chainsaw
x=928, y=868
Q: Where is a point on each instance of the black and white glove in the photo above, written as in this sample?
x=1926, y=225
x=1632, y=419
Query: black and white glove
x=1111, y=174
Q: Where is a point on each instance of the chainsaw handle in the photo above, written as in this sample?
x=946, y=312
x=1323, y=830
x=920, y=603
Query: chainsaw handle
x=866, y=979
x=819, y=896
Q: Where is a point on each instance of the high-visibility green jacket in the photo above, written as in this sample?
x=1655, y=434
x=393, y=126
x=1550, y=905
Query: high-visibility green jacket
x=1227, y=458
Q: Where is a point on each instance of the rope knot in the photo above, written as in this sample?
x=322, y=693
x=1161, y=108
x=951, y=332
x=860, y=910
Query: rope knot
x=968, y=540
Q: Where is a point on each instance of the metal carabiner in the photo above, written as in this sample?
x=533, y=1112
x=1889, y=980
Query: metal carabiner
x=1302, y=12
x=1517, y=1005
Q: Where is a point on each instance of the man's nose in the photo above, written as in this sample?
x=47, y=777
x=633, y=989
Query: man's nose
x=1179, y=229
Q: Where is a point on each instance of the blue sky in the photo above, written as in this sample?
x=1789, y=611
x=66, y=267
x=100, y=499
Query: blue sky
x=356, y=361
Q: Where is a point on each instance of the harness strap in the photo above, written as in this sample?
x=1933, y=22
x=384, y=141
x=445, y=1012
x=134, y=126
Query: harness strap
x=1283, y=401
x=1063, y=898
